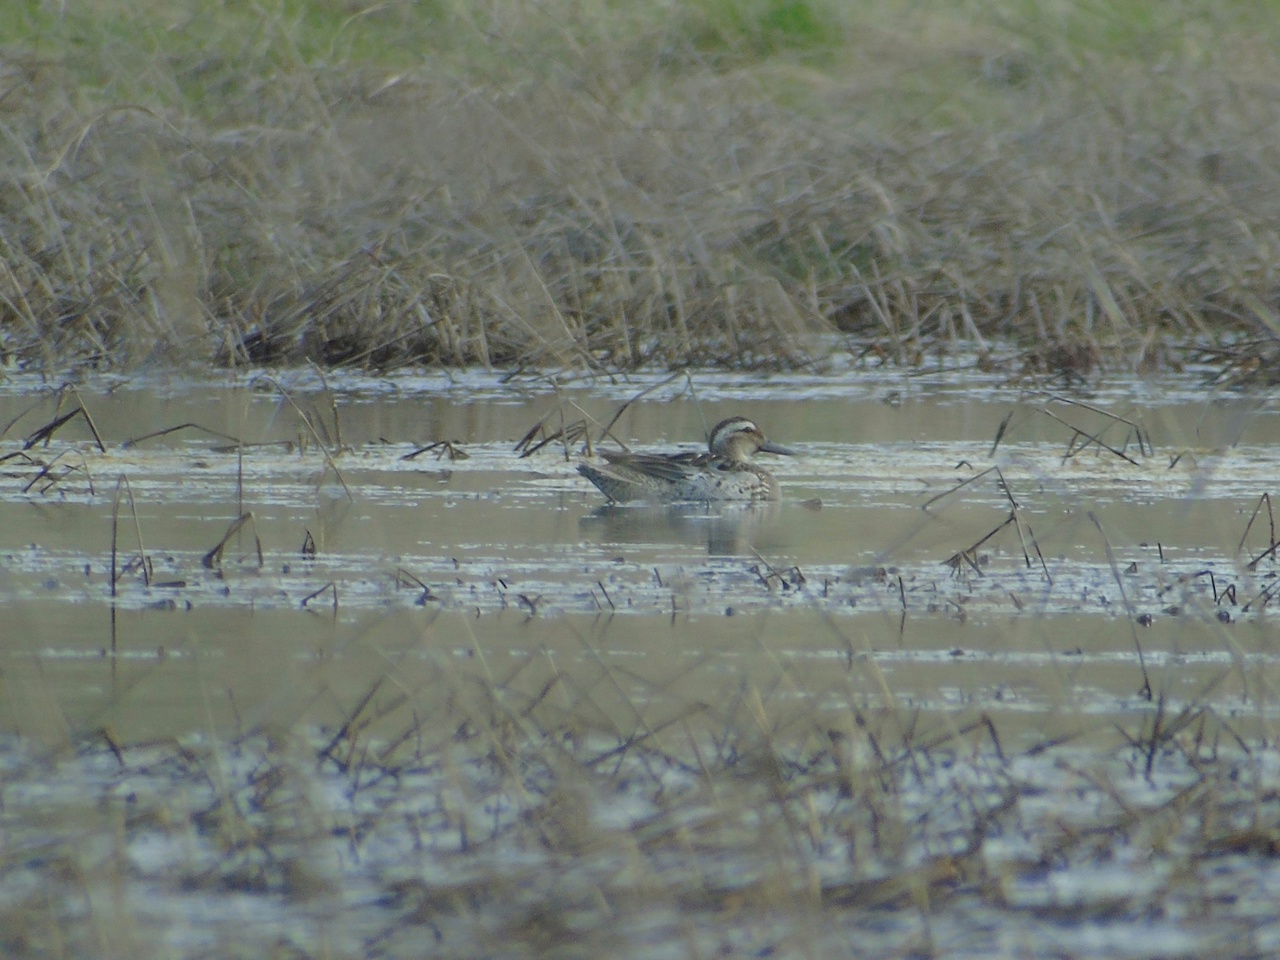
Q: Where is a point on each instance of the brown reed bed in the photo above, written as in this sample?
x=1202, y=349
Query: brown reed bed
x=719, y=184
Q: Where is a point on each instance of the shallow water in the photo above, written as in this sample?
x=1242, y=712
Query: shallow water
x=696, y=727
x=1135, y=547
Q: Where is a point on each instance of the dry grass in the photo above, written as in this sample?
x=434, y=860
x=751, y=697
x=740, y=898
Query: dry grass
x=542, y=812
x=724, y=183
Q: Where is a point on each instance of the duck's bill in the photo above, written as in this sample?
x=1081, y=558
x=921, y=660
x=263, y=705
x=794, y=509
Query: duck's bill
x=770, y=447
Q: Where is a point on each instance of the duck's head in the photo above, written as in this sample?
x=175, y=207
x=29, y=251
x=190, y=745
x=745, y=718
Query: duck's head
x=738, y=438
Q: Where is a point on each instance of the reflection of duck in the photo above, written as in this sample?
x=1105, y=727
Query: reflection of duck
x=724, y=472
x=727, y=529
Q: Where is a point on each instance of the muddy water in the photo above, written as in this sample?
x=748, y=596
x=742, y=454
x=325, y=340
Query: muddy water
x=1126, y=568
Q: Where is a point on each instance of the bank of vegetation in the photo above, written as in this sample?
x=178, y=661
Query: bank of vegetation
x=738, y=183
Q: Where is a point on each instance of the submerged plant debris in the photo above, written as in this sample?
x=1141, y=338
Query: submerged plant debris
x=504, y=836
x=1015, y=522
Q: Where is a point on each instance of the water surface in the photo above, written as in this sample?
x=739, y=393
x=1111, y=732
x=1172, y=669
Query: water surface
x=336, y=655
x=1132, y=501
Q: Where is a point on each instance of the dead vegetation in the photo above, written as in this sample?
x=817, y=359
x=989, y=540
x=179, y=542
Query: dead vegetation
x=670, y=192
x=534, y=812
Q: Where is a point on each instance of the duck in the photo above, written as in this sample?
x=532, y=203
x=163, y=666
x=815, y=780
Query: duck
x=725, y=472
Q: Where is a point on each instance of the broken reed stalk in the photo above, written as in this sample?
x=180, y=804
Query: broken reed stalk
x=1018, y=524
x=1004, y=488
x=333, y=404
x=442, y=449
x=1164, y=730
x=115, y=536
x=1000, y=432
x=647, y=732
x=1077, y=432
x=797, y=579
x=1145, y=448
x=347, y=731
x=311, y=429
x=569, y=433
x=1264, y=500
x=18, y=416
x=45, y=432
x=608, y=599
x=969, y=554
x=626, y=405
x=1143, y=439
x=1145, y=690
x=122, y=483
x=1264, y=597
x=922, y=748
x=329, y=587
x=46, y=472
x=403, y=577
x=88, y=418
x=560, y=410
x=214, y=557
x=134, y=441
x=22, y=455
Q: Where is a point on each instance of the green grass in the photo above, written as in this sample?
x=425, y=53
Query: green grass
x=746, y=31
x=590, y=183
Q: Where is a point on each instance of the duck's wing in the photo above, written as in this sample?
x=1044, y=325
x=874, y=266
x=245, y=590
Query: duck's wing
x=672, y=467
